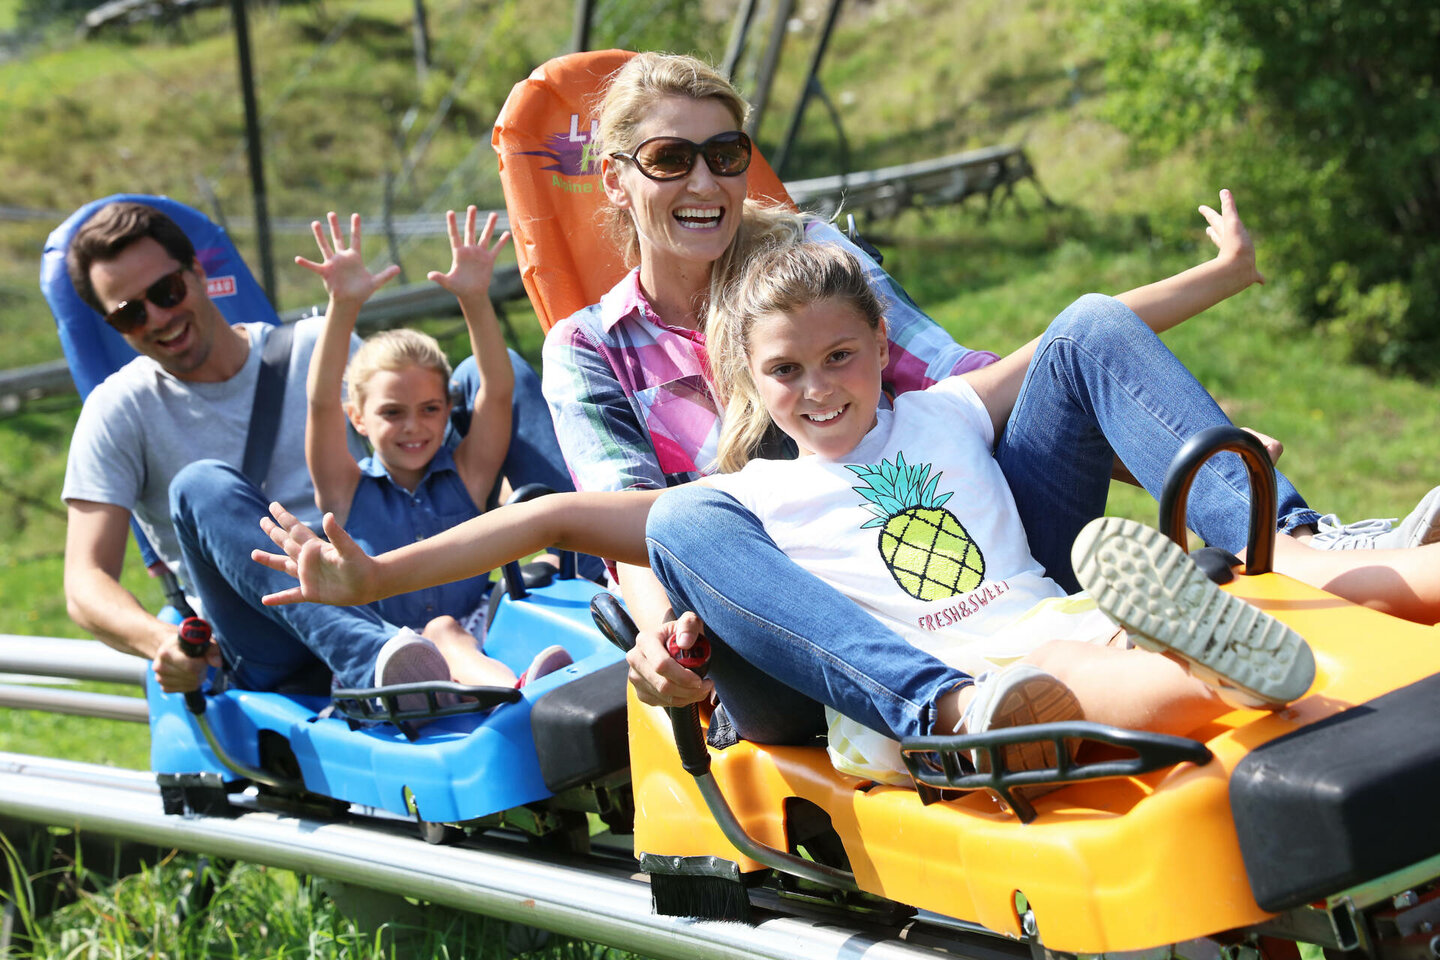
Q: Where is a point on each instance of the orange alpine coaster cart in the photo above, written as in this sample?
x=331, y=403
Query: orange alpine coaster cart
x=1317, y=824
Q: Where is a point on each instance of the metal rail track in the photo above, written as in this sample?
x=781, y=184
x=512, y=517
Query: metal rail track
x=593, y=898
x=602, y=897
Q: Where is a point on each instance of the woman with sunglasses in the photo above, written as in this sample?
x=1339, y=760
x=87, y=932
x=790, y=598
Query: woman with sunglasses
x=627, y=380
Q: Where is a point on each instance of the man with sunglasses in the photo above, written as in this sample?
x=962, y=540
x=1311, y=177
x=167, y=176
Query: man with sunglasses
x=187, y=397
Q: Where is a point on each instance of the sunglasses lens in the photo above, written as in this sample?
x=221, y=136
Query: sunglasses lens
x=165, y=293
x=127, y=316
x=727, y=155
x=168, y=291
x=665, y=158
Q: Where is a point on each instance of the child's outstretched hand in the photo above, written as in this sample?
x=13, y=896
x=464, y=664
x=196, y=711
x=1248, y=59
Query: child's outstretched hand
x=1228, y=234
x=342, y=267
x=472, y=259
x=337, y=573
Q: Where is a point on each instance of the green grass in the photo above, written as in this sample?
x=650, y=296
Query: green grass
x=253, y=913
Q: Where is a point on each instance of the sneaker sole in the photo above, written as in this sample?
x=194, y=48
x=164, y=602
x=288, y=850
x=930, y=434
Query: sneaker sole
x=416, y=662
x=1038, y=699
x=1148, y=585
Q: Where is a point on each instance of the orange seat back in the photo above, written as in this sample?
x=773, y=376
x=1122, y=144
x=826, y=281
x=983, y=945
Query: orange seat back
x=544, y=136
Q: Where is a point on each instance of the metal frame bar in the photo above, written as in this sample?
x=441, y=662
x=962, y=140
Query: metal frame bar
x=583, y=898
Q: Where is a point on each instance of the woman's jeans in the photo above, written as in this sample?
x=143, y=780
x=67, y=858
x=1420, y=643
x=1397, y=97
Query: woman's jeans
x=1098, y=373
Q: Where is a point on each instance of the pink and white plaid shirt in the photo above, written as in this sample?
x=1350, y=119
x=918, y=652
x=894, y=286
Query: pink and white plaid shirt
x=632, y=398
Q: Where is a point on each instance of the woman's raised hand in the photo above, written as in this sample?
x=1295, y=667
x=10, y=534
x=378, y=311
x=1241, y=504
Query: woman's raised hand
x=472, y=260
x=337, y=572
x=1230, y=237
x=342, y=265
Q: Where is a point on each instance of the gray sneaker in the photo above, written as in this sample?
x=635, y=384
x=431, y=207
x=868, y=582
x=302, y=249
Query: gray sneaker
x=1151, y=587
x=1014, y=696
x=1422, y=526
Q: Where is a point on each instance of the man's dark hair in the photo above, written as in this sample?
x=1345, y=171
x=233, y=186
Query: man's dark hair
x=115, y=227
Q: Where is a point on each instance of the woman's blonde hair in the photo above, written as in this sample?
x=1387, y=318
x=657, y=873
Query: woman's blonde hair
x=631, y=91
x=779, y=279
x=393, y=350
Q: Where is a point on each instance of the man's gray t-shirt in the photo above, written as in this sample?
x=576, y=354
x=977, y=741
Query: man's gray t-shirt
x=142, y=425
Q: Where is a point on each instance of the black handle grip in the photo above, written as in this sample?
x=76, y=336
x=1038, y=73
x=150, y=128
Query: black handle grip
x=1260, y=551
x=613, y=620
x=510, y=572
x=615, y=623
x=195, y=636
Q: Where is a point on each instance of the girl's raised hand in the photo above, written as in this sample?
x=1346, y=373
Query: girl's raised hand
x=336, y=573
x=342, y=265
x=472, y=259
x=1229, y=235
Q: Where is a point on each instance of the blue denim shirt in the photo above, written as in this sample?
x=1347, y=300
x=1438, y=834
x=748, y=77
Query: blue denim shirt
x=384, y=515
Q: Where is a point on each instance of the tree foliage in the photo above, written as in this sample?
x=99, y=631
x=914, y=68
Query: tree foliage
x=1325, y=115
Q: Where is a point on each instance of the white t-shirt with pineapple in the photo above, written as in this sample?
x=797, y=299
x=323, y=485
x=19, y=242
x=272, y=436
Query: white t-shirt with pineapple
x=918, y=527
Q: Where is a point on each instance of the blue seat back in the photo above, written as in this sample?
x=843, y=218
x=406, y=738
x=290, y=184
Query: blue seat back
x=92, y=346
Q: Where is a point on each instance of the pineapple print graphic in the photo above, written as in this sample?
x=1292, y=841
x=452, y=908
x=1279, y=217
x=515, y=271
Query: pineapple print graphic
x=925, y=548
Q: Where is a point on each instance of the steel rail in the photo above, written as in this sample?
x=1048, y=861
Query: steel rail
x=582, y=897
x=76, y=703
x=70, y=659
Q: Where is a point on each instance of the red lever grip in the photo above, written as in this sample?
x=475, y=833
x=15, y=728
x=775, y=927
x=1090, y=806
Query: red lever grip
x=194, y=636
x=697, y=658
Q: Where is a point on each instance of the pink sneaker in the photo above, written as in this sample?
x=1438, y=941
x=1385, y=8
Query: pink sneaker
x=408, y=657
x=547, y=661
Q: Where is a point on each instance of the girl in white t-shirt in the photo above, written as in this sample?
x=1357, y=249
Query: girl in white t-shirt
x=902, y=509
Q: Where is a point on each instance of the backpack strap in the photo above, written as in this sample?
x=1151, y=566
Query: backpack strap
x=269, y=401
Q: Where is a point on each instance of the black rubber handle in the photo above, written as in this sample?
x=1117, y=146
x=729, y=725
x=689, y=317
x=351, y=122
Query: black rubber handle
x=613, y=620
x=685, y=721
x=615, y=623
x=510, y=572
x=1260, y=551
x=195, y=636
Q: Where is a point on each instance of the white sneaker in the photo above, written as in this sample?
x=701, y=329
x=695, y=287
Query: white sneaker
x=1422, y=526
x=1151, y=587
x=1331, y=534
x=547, y=661
x=1014, y=696
x=408, y=657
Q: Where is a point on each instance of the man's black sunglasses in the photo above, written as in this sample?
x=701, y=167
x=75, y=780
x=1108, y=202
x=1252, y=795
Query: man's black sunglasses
x=165, y=293
x=670, y=158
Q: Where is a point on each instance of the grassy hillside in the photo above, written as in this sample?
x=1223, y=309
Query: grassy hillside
x=157, y=110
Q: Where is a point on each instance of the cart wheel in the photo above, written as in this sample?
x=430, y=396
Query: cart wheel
x=439, y=834
x=572, y=836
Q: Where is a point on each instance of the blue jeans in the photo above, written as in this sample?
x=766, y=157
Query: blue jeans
x=1102, y=384
x=216, y=512
x=1098, y=373
x=534, y=455
x=767, y=619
